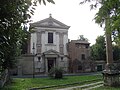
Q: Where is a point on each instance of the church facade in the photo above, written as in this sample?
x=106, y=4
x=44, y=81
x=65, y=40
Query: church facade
x=49, y=47
x=48, y=43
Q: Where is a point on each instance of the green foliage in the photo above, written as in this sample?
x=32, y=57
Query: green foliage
x=108, y=15
x=116, y=52
x=56, y=72
x=14, y=16
x=98, y=50
x=44, y=2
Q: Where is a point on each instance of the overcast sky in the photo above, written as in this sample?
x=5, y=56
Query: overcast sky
x=69, y=12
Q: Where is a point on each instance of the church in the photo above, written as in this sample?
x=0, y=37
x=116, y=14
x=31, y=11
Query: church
x=48, y=43
x=50, y=47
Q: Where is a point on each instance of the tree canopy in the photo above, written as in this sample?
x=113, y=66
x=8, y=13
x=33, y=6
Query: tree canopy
x=98, y=50
x=14, y=16
x=109, y=10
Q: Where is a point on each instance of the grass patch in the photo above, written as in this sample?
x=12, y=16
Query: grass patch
x=26, y=83
x=79, y=84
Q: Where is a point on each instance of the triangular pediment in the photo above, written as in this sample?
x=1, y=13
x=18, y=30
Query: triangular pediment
x=50, y=22
x=51, y=52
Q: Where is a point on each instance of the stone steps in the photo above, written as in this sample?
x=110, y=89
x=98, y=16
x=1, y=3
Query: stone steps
x=85, y=87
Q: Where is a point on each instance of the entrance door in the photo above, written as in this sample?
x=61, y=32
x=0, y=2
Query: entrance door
x=51, y=63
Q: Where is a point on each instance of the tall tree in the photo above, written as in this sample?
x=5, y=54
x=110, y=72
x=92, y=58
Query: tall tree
x=14, y=13
x=98, y=51
x=109, y=9
x=108, y=15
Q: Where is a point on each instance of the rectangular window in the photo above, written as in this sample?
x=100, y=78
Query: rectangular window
x=83, y=56
x=50, y=37
x=77, y=45
x=87, y=46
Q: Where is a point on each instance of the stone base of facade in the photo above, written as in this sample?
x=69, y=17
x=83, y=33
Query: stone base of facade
x=111, y=76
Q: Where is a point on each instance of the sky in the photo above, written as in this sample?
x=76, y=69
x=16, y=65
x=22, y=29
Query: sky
x=70, y=12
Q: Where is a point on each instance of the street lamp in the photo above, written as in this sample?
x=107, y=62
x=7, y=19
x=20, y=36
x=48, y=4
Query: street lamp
x=33, y=59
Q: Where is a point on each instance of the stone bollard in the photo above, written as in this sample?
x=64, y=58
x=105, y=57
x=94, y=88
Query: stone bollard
x=111, y=76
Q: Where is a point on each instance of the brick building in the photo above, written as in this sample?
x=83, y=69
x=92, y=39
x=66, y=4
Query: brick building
x=79, y=54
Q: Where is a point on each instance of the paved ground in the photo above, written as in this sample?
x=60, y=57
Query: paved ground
x=85, y=87
x=90, y=88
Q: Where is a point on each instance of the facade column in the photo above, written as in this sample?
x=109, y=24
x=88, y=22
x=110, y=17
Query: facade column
x=46, y=65
x=56, y=62
x=38, y=49
x=61, y=46
x=28, y=44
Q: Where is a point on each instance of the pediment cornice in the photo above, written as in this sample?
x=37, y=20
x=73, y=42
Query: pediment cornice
x=50, y=23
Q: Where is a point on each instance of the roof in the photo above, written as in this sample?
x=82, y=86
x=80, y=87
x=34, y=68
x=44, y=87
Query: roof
x=80, y=41
x=50, y=23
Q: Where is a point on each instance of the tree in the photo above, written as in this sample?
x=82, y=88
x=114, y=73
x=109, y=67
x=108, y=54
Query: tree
x=44, y=2
x=98, y=51
x=108, y=15
x=14, y=16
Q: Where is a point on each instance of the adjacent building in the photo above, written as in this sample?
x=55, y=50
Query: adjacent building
x=79, y=55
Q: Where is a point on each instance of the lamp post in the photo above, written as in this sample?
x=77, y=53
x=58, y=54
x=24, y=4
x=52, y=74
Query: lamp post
x=33, y=59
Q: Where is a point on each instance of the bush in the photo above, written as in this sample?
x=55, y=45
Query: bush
x=56, y=72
